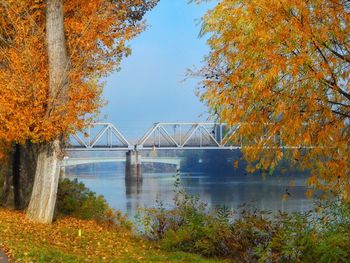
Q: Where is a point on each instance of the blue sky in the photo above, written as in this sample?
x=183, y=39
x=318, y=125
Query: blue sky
x=150, y=88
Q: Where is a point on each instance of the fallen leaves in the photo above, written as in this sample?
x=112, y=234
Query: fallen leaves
x=71, y=240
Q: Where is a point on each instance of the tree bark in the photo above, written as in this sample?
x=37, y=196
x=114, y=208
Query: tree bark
x=18, y=176
x=42, y=204
x=7, y=194
x=43, y=200
x=16, y=164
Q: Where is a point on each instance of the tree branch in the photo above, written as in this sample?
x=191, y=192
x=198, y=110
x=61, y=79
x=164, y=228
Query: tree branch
x=343, y=57
x=339, y=103
x=341, y=113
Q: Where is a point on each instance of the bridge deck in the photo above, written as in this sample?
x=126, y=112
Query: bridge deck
x=88, y=160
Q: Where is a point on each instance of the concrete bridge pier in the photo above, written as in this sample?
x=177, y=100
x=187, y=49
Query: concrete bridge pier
x=133, y=166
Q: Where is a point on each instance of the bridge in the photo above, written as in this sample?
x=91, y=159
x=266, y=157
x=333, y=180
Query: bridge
x=161, y=136
x=167, y=136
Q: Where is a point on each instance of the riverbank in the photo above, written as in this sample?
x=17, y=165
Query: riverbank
x=73, y=240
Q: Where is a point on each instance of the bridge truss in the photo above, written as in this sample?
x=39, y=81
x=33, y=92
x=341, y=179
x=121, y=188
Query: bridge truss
x=188, y=136
x=99, y=136
x=167, y=136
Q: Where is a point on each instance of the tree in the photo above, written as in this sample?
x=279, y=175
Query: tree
x=43, y=200
x=280, y=69
x=50, y=78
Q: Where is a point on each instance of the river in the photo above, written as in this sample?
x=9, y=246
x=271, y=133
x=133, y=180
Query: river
x=214, y=189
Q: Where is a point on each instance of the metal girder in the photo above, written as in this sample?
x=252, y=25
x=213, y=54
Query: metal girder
x=162, y=135
x=167, y=136
x=198, y=135
x=107, y=137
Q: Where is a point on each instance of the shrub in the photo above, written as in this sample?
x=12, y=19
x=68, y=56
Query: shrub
x=290, y=240
x=249, y=235
x=333, y=225
x=76, y=200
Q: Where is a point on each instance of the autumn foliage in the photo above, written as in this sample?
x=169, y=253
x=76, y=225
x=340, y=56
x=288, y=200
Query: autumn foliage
x=73, y=240
x=97, y=33
x=280, y=69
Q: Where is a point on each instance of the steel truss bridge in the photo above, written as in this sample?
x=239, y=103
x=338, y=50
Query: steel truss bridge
x=166, y=136
x=161, y=136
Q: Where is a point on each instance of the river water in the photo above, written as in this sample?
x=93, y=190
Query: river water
x=214, y=189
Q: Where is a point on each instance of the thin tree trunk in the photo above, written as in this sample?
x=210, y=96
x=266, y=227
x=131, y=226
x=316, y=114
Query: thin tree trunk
x=42, y=204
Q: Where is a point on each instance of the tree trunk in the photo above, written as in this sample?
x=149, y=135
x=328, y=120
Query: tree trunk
x=28, y=158
x=18, y=176
x=7, y=194
x=42, y=204
x=16, y=164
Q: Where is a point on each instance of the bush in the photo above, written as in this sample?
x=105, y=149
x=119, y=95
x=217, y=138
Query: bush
x=76, y=200
x=249, y=235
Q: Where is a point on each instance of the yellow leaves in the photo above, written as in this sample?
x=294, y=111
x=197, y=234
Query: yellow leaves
x=277, y=63
x=251, y=169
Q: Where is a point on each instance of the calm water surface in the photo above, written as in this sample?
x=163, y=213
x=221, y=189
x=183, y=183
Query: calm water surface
x=216, y=190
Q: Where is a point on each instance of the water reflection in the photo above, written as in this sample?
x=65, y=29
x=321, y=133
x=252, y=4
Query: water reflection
x=133, y=192
x=214, y=189
x=254, y=190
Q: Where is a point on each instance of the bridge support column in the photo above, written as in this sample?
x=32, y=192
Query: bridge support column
x=133, y=166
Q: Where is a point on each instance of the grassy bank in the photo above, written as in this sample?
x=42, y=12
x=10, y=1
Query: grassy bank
x=73, y=240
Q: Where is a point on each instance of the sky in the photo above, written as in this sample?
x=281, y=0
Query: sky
x=150, y=86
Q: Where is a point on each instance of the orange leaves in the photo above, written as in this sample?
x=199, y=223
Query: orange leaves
x=235, y=164
x=283, y=63
x=96, y=34
x=309, y=193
